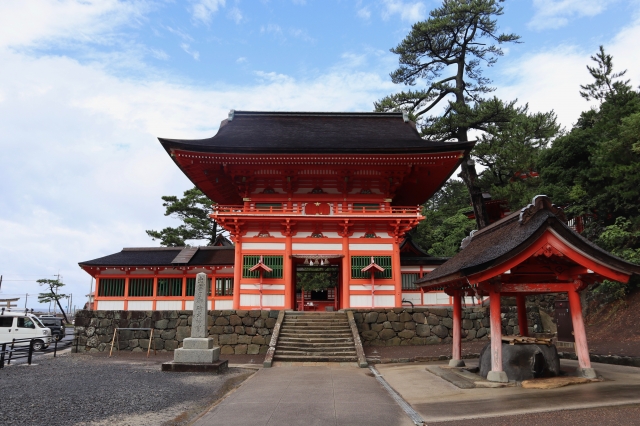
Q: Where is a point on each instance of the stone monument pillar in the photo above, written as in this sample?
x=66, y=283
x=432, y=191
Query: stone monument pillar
x=198, y=352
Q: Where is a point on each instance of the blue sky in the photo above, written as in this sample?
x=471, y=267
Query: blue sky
x=87, y=86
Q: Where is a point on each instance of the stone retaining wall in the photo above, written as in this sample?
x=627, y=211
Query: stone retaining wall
x=249, y=332
x=426, y=326
x=236, y=332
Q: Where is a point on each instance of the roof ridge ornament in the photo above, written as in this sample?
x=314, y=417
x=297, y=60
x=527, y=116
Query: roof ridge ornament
x=465, y=241
x=540, y=202
x=232, y=113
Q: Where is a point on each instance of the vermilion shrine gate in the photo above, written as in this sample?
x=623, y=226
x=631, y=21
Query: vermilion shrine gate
x=296, y=191
x=528, y=252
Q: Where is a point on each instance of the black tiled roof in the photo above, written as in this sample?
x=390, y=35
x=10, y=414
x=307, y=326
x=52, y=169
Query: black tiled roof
x=162, y=256
x=315, y=133
x=507, y=238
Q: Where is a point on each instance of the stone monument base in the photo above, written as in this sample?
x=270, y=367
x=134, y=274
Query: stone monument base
x=197, y=350
x=216, y=367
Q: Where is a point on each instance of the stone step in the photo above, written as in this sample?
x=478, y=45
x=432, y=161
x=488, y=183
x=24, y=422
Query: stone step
x=343, y=344
x=315, y=322
x=316, y=335
x=332, y=332
x=318, y=340
x=310, y=353
x=313, y=358
x=341, y=349
x=336, y=327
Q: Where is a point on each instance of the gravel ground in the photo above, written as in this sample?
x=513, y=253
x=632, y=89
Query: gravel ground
x=80, y=389
x=621, y=415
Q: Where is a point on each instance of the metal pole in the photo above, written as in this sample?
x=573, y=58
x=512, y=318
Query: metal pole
x=26, y=297
x=4, y=349
x=30, y=351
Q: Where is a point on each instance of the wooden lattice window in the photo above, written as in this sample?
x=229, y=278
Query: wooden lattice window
x=111, y=287
x=170, y=287
x=140, y=287
x=224, y=286
x=273, y=262
x=191, y=286
x=359, y=262
x=408, y=281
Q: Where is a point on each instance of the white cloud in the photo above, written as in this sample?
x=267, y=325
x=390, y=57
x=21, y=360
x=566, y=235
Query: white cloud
x=193, y=53
x=557, y=13
x=241, y=60
x=299, y=2
x=235, y=15
x=271, y=29
x=551, y=79
x=28, y=23
x=180, y=33
x=410, y=12
x=159, y=54
x=301, y=34
x=203, y=9
x=364, y=13
x=85, y=167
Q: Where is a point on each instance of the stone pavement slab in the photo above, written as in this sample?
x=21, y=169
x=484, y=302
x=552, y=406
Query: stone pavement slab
x=302, y=395
x=438, y=400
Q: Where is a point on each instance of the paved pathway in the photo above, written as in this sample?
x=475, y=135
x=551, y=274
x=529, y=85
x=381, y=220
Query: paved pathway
x=301, y=395
x=439, y=401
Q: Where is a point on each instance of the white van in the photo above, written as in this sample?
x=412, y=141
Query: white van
x=18, y=325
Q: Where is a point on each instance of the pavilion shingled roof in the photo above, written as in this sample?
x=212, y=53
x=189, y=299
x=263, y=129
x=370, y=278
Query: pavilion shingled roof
x=315, y=133
x=508, y=237
x=163, y=256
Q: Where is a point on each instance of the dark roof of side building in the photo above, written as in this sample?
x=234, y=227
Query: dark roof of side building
x=315, y=133
x=508, y=237
x=164, y=256
x=412, y=254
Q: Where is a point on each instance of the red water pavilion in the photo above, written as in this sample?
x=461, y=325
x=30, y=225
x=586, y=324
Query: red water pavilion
x=528, y=252
x=297, y=191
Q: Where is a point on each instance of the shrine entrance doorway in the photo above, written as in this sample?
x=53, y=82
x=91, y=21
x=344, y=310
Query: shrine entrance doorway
x=317, y=286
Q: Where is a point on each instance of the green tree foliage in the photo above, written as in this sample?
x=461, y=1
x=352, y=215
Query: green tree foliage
x=444, y=56
x=622, y=239
x=605, y=83
x=510, y=153
x=193, y=209
x=316, y=278
x=594, y=168
x=445, y=224
x=52, y=295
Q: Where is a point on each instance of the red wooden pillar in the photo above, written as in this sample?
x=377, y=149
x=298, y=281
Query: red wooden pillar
x=237, y=274
x=289, y=290
x=580, y=335
x=496, y=374
x=126, y=292
x=397, y=273
x=94, y=305
x=523, y=324
x=456, y=355
x=184, y=290
x=345, y=296
x=155, y=291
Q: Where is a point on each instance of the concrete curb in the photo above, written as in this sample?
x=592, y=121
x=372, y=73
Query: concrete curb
x=362, y=360
x=629, y=361
x=268, y=358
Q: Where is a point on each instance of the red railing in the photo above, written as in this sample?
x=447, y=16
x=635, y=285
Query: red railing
x=335, y=209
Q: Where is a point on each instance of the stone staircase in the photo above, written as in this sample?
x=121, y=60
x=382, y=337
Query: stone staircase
x=315, y=337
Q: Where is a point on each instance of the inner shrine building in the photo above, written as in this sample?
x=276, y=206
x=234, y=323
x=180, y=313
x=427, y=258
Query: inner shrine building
x=298, y=193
